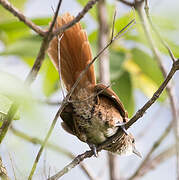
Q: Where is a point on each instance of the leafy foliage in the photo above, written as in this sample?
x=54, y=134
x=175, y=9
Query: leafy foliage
x=124, y=89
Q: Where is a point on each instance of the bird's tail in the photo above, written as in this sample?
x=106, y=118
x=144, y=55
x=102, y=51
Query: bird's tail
x=75, y=54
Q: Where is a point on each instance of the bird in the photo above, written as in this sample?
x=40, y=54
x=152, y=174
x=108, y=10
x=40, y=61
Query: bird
x=94, y=112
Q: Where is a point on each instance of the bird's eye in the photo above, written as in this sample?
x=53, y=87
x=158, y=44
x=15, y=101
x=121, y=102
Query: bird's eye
x=133, y=140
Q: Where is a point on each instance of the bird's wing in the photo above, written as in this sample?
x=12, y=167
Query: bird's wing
x=109, y=93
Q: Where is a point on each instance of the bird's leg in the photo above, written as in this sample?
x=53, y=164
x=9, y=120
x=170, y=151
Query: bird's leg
x=93, y=148
x=122, y=126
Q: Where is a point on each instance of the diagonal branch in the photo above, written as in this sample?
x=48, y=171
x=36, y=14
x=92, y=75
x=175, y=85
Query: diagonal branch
x=127, y=3
x=7, y=5
x=140, y=112
x=53, y=147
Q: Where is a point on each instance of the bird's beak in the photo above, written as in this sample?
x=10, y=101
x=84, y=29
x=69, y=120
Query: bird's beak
x=135, y=151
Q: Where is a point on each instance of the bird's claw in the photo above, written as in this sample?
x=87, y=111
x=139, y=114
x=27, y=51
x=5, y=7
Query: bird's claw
x=93, y=148
x=122, y=126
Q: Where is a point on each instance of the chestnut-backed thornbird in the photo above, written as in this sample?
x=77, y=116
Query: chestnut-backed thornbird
x=94, y=112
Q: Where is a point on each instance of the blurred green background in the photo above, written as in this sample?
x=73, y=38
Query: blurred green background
x=133, y=69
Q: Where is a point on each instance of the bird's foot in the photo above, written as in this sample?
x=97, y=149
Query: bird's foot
x=122, y=126
x=94, y=149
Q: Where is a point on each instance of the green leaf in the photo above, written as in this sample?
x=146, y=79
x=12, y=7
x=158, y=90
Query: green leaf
x=50, y=78
x=116, y=60
x=13, y=89
x=164, y=23
x=14, y=25
x=12, y=30
x=5, y=104
x=25, y=47
x=145, y=72
x=124, y=89
x=147, y=65
x=121, y=22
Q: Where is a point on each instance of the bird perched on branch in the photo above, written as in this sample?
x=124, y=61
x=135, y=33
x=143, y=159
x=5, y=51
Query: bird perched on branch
x=94, y=112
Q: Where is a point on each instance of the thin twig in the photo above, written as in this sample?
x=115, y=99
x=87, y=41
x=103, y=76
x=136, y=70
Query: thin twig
x=155, y=96
x=33, y=73
x=35, y=140
x=7, y=5
x=90, y=97
x=13, y=168
x=7, y=121
x=127, y=3
x=146, y=7
x=113, y=23
x=59, y=63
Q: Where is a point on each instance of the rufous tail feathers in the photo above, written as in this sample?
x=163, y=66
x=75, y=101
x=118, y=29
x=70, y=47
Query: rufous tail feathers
x=75, y=54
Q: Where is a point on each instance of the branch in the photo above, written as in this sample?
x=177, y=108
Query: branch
x=155, y=96
x=127, y=3
x=146, y=7
x=53, y=147
x=7, y=5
